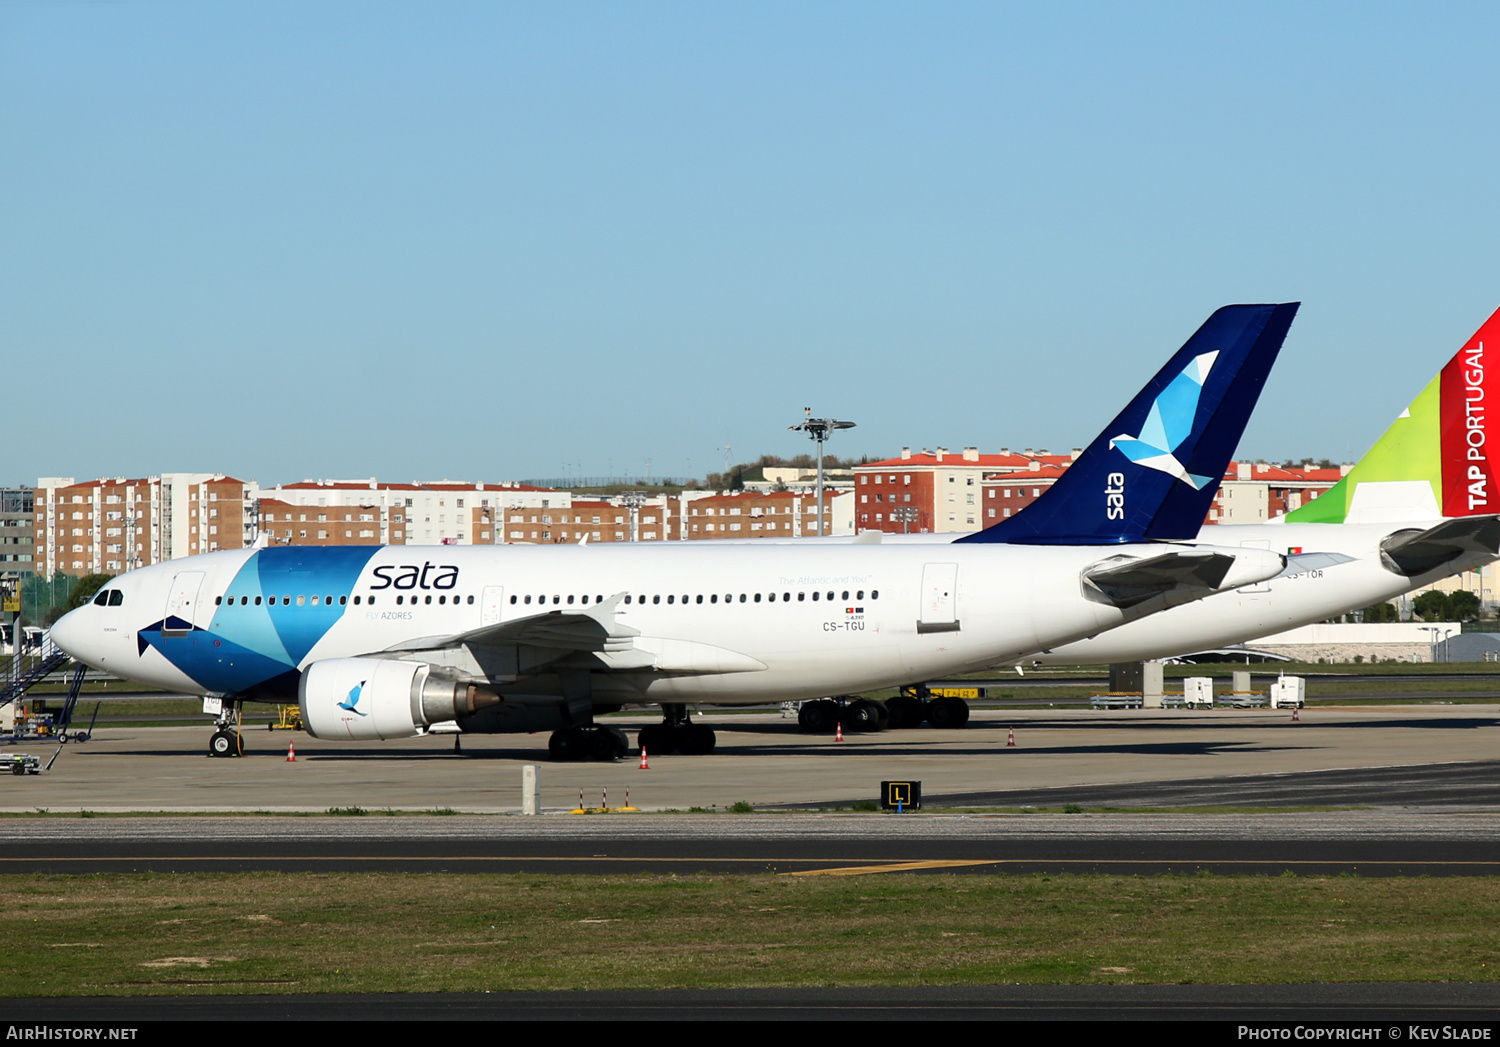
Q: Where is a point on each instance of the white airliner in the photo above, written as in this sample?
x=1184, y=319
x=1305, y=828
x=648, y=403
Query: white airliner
x=1419, y=506
x=385, y=642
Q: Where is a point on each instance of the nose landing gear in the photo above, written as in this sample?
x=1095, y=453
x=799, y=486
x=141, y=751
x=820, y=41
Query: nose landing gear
x=226, y=739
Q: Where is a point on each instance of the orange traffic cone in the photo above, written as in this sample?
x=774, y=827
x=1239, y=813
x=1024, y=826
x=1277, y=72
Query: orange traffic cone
x=838, y=731
x=1012, y=743
x=644, y=765
x=291, y=753
x=1294, y=715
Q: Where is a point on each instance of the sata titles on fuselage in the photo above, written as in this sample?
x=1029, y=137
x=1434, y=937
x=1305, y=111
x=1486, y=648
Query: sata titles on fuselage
x=410, y=576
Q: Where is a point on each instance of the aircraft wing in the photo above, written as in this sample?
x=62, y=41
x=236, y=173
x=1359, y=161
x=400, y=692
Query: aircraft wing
x=584, y=629
x=594, y=633
x=1417, y=552
x=1177, y=576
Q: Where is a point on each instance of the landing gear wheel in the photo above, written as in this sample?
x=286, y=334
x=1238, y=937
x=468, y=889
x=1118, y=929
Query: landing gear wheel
x=607, y=743
x=865, y=715
x=570, y=743
x=948, y=712
x=905, y=712
x=695, y=740
x=657, y=740
x=225, y=743
x=18, y=769
x=818, y=717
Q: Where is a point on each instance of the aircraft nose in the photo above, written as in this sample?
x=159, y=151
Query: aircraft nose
x=70, y=632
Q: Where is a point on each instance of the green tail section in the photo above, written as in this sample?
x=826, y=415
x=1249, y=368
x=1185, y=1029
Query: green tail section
x=1411, y=449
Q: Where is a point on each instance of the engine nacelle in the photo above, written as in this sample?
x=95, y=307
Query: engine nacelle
x=373, y=699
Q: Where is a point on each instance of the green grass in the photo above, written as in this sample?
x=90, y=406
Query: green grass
x=367, y=932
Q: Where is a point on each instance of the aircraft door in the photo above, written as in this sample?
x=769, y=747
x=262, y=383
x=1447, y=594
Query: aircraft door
x=489, y=612
x=182, y=602
x=939, y=610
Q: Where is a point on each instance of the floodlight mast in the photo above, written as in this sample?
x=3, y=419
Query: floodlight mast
x=819, y=429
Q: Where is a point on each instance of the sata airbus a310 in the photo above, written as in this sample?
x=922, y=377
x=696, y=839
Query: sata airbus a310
x=387, y=642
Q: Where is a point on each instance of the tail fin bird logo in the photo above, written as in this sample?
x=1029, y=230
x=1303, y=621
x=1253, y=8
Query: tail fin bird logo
x=1170, y=423
x=350, y=702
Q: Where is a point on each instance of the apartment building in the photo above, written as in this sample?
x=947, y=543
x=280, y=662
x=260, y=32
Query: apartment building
x=774, y=514
x=109, y=526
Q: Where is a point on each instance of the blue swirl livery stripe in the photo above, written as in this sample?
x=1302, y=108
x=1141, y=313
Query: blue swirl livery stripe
x=321, y=572
x=252, y=642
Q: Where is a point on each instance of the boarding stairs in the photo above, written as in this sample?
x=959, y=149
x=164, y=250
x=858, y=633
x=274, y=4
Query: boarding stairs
x=18, y=678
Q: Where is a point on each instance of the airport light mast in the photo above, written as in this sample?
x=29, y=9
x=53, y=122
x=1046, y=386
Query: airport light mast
x=819, y=429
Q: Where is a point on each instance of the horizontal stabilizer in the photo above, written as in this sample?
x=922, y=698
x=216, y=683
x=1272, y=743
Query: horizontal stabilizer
x=1416, y=552
x=1180, y=575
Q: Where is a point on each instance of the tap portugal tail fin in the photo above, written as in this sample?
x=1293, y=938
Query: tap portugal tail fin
x=1438, y=458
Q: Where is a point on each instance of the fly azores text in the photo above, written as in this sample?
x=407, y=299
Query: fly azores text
x=410, y=576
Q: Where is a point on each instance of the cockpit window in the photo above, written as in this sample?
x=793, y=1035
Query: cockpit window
x=102, y=600
x=109, y=598
x=116, y=597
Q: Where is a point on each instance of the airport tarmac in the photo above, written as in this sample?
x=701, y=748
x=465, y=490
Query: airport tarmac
x=762, y=759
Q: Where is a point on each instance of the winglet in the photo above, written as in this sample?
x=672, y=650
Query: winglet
x=1153, y=472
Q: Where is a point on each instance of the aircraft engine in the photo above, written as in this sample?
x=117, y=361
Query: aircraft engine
x=370, y=699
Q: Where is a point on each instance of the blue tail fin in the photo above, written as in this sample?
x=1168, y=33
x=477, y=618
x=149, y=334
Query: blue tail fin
x=1153, y=472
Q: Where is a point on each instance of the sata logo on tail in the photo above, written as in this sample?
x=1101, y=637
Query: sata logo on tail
x=1169, y=424
x=1469, y=456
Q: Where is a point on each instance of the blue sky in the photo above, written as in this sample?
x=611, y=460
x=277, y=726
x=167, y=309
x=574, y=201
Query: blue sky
x=494, y=241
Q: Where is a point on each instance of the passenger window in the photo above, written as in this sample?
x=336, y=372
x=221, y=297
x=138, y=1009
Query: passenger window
x=356, y=601
x=742, y=597
x=656, y=599
x=671, y=599
x=103, y=599
x=471, y=599
x=428, y=600
x=245, y=601
x=815, y=596
x=714, y=598
x=700, y=598
x=570, y=599
x=399, y=599
x=343, y=600
x=441, y=599
x=302, y=600
x=257, y=601
x=845, y=596
x=757, y=598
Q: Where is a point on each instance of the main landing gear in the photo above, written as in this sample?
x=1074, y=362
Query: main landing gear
x=588, y=743
x=677, y=733
x=899, y=713
x=853, y=714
